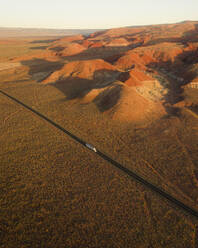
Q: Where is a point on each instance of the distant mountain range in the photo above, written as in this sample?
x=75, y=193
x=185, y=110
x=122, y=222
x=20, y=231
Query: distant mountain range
x=23, y=32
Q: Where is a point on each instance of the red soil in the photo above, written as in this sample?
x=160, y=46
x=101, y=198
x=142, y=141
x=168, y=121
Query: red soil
x=87, y=43
x=133, y=52
x=118, y=42
x=143, y=56
x=134, y=107
x=134, y=78
x=72, y=49
x=97, y=44
x=129, y=60
x=81, y=69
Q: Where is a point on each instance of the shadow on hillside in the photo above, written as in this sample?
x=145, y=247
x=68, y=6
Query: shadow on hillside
x=189, y=58
x=97, y=53
x=192, y=35
x=189, y=36
x=42, y=41
x=77, y=88
x=108, y=98
x=175, y=90
x=194, y=108
x=180, y=65
x=57, y=49
x=178, y=75
x=74, y=88
x=39, y=48
x=96, y=34
x=164, y=40
x=15, y=81
x=39, y=66
x=112, y=59
x=129, y=36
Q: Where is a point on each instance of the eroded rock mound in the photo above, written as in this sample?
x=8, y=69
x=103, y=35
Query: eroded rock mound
x=87, y=69
x=72, y=49
x=135, y=77
x=118, y=42
x=136, y=108
x=128, y=73
x=145, y=56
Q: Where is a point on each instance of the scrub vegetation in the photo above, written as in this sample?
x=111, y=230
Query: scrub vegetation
x=56, y=193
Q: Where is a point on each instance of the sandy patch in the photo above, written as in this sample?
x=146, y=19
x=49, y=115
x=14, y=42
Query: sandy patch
x=8, y=65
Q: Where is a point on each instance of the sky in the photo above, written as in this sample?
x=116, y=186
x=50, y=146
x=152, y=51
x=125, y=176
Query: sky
x=85, y=14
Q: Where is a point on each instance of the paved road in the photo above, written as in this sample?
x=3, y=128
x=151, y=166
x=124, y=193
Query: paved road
x=130, y=173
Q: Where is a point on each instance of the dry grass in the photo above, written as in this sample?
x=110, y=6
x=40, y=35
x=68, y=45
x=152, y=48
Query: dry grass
x=13, y=48
x=54, y=193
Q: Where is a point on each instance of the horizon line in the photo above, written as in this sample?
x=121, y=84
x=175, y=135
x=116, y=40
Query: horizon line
x=97, y=28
